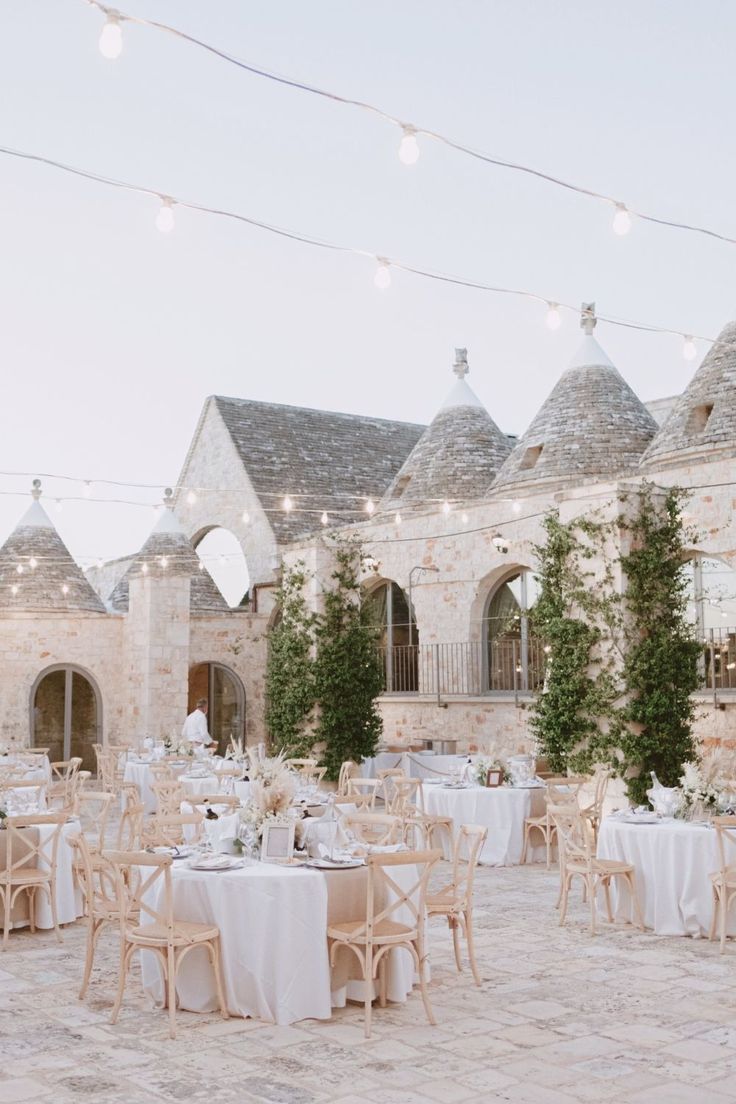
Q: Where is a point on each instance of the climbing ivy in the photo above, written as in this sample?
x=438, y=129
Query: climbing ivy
x=661, y=658
x=290, y=676
x=348, y=672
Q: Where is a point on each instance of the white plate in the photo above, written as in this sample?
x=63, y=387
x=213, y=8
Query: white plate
x=334, y=864
x=175, y=852
x=220, y=862
x=455, y=785
x=641, y=818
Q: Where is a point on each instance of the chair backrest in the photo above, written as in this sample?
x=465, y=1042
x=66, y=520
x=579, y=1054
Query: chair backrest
x=106, y=768
x=93, y=809
x=20, y=794
x=725, y=827
x=31, y=841
x=469, y=841
x=169, y=796
x=299, y=765
x=386, y=897
x=130, y=795
x=130, y=827
x=406, y=792
x=136, y=875
x=601, y=778
x=161, y=772
x=379, y=829
x=167, y=829
x=347, y=770
x=563, y=791
x=97, y=881
x=573, y=834
x=204, y=801
x=366, y=788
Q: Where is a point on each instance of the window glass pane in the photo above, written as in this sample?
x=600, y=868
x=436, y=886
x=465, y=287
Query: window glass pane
x=84, y=722
x=48, y=715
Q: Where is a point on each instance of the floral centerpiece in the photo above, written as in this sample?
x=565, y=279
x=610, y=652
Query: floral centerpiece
x=273, y=786
x=482, y=767
x=182, y=748
x=703, y=781
x=237, y=752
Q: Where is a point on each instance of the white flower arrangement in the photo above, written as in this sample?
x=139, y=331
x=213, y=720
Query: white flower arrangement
x=182, y=748
x=482, y=767
x=273, y=786
x=703, y=781
x=237, y=751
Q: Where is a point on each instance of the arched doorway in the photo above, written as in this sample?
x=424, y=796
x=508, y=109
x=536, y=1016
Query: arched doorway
x=225, y=695
x=66, y=714
x=398, y=638
x=513, y=653
x=221, y=553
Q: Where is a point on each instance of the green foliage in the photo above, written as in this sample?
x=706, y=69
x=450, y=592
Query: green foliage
x=577, y=615
x=348, y=672
x=661, y=660
x=290, y=678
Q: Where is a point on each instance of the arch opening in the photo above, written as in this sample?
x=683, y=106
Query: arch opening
x=225, y=696
x=398, y=636
x=222, y=554
x=66, y=714
x=512, y=652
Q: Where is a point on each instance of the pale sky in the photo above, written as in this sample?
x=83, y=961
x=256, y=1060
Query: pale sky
x=113, y=334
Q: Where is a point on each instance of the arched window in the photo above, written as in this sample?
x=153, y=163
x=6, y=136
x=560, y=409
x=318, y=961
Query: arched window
x=225, y=696
x=711, y=607
x=398, y=638
x=222, y=555
x=66, y=714
x=513, y=654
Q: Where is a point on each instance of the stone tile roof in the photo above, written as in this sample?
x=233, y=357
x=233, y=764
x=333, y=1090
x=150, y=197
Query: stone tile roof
x=592, y=426
x=168, y=540
x=702, y=424
x=457, y=456
x=56, y=583
x=328, y=458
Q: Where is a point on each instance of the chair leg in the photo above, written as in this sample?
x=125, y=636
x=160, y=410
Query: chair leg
x=548, y=843
x=564, y=891
x=6, y=917
x=171, y=988
x=470, y=937
x=591, y=887
x=454, y=928
x=631, y=880
x=54, y=911
x=526, y=843
x=423, y=985
x=89, y=957
x=214, y=949
x=607, y=895
x=714, y=916
x=723, y=917
x=382, y=988
x=125, y=953
x=368, y=979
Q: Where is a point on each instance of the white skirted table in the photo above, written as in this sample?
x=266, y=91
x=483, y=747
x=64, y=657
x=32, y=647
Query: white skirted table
x=672, y=860
x=69, y=904
x=502, y=810
x=140, y=774
x=273, y=923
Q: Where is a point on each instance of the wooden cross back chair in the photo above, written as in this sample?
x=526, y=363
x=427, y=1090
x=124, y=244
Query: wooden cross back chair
x=723, y=881
x=29, y=865
x=143, y=883
x=372, y=938
x=560, y=791
x=454, y=900
x=64, y=782
x=348, y=769
x=376, y=829
x=167, y=829
x=169, y=795
x=366, y=788
x=97, y=880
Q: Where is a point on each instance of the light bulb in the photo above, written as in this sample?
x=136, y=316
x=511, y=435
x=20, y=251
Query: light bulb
x=201, y=566
x=324, y=519
x=87, y=488
x=14, y=588
x=397, y=519
x=33, y=563
x=58, y=505
x=246, y=517
x=164, y=562
x=19, y=569
x=111, y=38
x=516, y=507
x=382, y=277
x=554, y=318
x=222, y=559
x=621, y=220
x=464, y=519
x=191, y=498
x=165, y=216
x=100, y=563
x=65, y=589
x=288, y=504
x=689, y=350
x=144, y=568
x=446, y=507
x=409, y=148
x=370, y=506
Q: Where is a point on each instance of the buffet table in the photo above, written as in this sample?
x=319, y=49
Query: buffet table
x=502, y=810
x=273, y=922
x=672, y=860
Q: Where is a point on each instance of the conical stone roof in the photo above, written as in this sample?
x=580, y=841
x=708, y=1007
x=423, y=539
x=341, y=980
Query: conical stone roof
x=456, y=456
x=50, y=580
x=168, y=551
x=702, y=423
x=591, y=427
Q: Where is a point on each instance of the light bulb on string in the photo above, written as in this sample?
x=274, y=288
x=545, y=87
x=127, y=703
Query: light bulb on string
x=288, y=504
x=144, y=568
x=324, y=519
x=165, y=216
x=621, y=221
x=397, y=518
x=689, y=349
x=164, y=562
x=409, y=147
x=446, y=507
x=58, y=505
x=201, y=566
x=33, y=563
x=14, y=589
x=100, y=563
x=554, y=318
x=516, y=507
x=382, y=276
x=87, y=488
x=191, y=498
x=65, y=589
x=370, y=506
x=246, y=517
x=19, y=569
x=464, y=519
x=111, y=37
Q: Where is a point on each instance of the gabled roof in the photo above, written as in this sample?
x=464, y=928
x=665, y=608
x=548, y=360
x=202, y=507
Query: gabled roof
x=50, y=579
x=702, y=423
x=591, y=427
x=168, y=551
x=324, y=461
x=458, y=454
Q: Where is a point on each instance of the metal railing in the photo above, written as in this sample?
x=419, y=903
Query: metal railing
x=718, y=661
x=464, y=669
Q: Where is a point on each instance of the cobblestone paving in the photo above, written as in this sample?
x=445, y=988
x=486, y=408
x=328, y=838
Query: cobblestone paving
x=560, y=1019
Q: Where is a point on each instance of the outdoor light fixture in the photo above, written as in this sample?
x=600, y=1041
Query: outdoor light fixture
x=288, y=504
x=165, y=216
x=324, y=519
x=409, y=148
x=621, y=221
x=111, y=38
x=191, y=498
x=246, y=517
x=382, y=277
x=689, y=350
x=500, y=543
x=554, y=318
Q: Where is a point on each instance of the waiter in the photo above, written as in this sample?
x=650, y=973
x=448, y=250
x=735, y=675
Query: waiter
x=195, y=726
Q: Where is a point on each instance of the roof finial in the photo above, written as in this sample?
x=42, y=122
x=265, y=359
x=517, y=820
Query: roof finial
x=169, y=498
x=460, y=367
x=588, y=320
x=36, y=489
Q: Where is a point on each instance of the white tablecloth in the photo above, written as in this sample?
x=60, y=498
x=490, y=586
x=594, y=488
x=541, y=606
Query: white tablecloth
x=502, y=810
x=672, y=861
x=273, y=923
x=140, y=774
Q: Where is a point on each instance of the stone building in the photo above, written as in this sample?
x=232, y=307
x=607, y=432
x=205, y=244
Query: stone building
x=449, y=514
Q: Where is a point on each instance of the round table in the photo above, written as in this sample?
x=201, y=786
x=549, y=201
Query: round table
x=140, y=773
x=672, y=860
x=502, y=810
x=273, y=923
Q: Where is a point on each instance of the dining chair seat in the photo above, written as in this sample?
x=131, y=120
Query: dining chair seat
x=184, y=932
x=603, y=867
x=28, y=877
x=384, y=931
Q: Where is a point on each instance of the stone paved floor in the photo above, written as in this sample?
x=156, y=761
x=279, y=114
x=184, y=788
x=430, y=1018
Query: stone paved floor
x=560, y=1019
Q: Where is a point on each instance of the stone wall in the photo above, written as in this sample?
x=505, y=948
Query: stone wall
x=239, y=642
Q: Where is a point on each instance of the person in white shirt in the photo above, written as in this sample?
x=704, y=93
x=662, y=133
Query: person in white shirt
x=195, y=726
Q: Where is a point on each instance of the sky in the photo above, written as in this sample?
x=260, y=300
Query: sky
x=113, y=334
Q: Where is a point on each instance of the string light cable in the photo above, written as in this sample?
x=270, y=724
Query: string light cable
x=385, y=264
x=111, y=47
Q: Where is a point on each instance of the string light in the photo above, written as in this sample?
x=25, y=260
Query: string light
x=58, y=506
x=409, y=147
x=554, y=318
x=621, y=220
x=65, y=589
x=370, y=506
x=19, y=569
x=324, y=519
x=516, y=507
x=464, y=518
x=14, y=589
x=446, y=507
x=382, y=277
x=33, y=563
x=201, y=566
x=111, y=37
x=191, y=498
x=288, y=504
x=165, y=216
x=87, y=488
x=144, y=568
x=397, y=518
x=164, y=561
x=245, y=518
x=689, y=349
